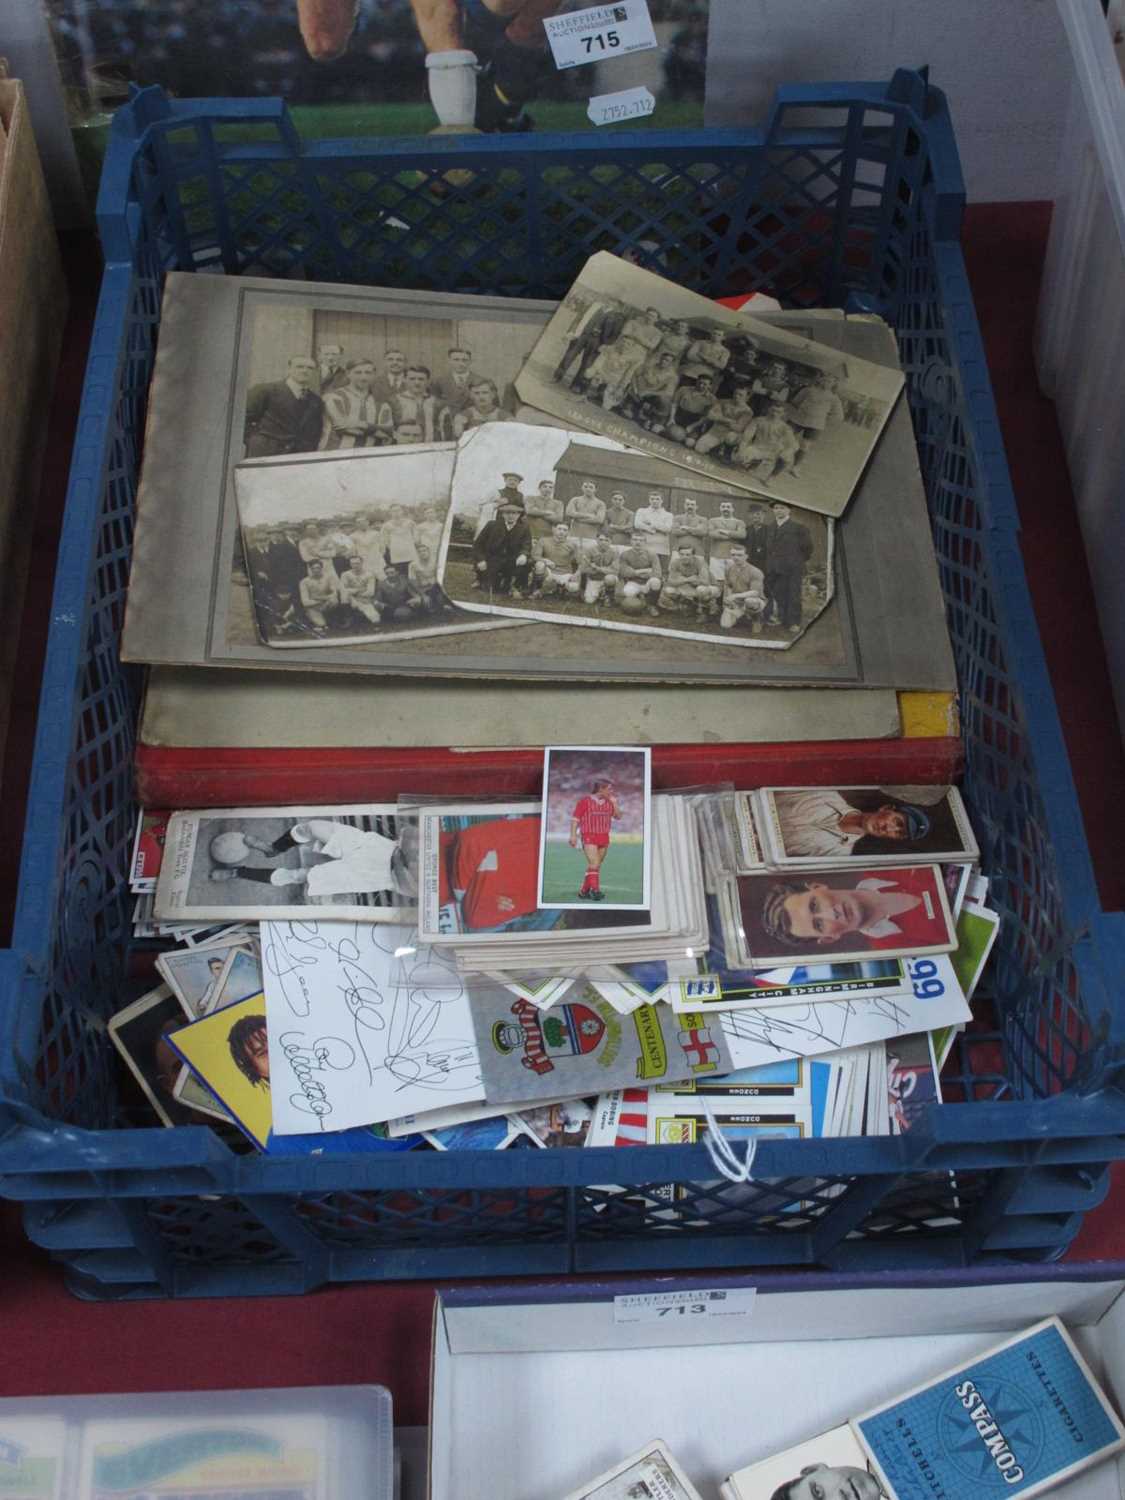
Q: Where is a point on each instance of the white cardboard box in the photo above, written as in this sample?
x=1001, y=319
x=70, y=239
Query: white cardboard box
x=537, y=1388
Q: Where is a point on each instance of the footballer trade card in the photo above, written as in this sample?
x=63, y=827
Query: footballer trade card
x=228, y=1051
x=845, y=916
x=1017, y=1420
x=479, y=879
x=595, y=843
x=912, y=1078
x=32, y=1457
x=209, y=1458
x=199, y=976
x=832, y=1464
x=148, y=850
x=651, y=1474
x=495, y=1133
x=237, y=863
x=826, y=827
x=568, y=1123
x=142, y=1034
x=585, y=1047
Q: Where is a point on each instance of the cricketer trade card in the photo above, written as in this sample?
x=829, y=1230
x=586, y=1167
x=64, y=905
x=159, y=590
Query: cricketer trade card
x=833, y=1464
x=740, y=400
x=342, y=548
x=142, y=1034
x=566, y=529
x=585, y=1047
x=240, y=863
x=148, y=850
x=651, y=1474
x=228, y=1051
x=846, y=916
x=824, y=826
x=595, y=842
x=1017, y=1420
x=211, y=1458
x=32, y=1457
x=480, y=878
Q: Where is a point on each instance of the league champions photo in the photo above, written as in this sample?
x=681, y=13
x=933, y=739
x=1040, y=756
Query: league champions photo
x=595, y=842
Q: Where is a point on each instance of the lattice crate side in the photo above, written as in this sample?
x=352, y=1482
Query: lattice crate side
x=435, y=1216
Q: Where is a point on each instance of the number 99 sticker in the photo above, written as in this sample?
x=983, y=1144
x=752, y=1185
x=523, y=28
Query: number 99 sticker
x=600, y=32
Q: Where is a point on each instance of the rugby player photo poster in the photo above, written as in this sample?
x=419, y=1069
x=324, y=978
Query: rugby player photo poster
x=594, y=843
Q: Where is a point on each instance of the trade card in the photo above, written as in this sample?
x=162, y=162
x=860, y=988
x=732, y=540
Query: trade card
x=142, y=1034
x=241, y=863
x=584, y=1047
x=1016, y=1420
x=912, y=1078
x=595, y=841
x=480, y=878
x=220, y=1457
x=566, y=1124
x=836, y=1456
x=561, y=528
x=751, y=856
x=684, y=1125
x=828, y=827
x=196, y=975
x=32, y=1457
x=342, y=548
x=190, y=1092
x=957, y=881
x=718, y=392
x=793, y=984
x=977, y=931
x=651, y=1474
x=620, y=1119
x=787, y=1080
x=460, y=1114
x=847, y=916
x=228, y=1051
x=148, y=850
x=495, y=1133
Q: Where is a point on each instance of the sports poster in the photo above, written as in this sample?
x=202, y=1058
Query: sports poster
x=393, y=68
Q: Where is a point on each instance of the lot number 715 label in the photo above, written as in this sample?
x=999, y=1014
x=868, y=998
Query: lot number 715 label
x=600, y=32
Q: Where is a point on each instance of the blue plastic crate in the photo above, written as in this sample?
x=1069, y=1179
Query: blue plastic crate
x=851, y=195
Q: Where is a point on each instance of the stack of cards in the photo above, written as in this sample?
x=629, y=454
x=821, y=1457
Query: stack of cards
x=479, y=897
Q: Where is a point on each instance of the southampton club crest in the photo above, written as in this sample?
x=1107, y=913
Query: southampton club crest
x=574, y=1030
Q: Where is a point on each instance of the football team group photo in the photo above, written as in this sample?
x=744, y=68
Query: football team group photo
x=560, y=529
x=632, y=356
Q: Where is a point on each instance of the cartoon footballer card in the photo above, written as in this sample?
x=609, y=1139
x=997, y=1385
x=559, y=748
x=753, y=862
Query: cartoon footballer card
x=229, y=1052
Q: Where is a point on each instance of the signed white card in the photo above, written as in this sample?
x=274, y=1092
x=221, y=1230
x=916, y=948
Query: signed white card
x=365, y=1024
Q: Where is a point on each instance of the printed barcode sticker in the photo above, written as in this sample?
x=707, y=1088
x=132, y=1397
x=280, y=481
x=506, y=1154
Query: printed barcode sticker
x=600, y=32
x=683, y=1307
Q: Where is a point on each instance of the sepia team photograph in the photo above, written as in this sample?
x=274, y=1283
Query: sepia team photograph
x=343, y=548
x=565, y=527
x=323, y=382
x=651, y=364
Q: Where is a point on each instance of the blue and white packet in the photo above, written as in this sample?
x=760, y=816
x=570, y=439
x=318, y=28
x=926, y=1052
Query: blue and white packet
x=1018, y=1420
